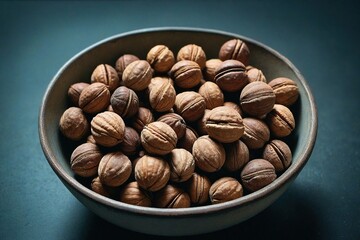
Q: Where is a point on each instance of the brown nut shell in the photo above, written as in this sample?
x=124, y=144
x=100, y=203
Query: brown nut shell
x=194, y=53
x=85, y=158
x=280, y=121
x=235, y=49
x=256, y=133
x=225, y=189
x=212, y=95
x=162, y=94
x=114, y=169
x=125, y=102
x=107, y=75
x=190, y=105
x=94, y=98
x=133, y=194
x=161, y=58
x=211, y=66
x=172, y=197
x=231, y=76
x=237, y=155
x=122, y=62
x=186, y=74
x=131, y=142
x=254, y=74
x=187, y=141
x=73, y=124
x=75, y=90
x=100, y=188
x=176, y=122
x=278, y=154
x=182, y=165
x=286, y=91
x=137, y=75
x=143, y=117
x=198, y=188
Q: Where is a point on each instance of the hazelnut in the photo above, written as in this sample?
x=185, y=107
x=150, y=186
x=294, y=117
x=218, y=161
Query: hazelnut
x=194, y=53
x=278, y=154
x=235, y=49
x=75, y=90
x=137, y=75
x=107, y=75
x=133, y=194
x=131, y=143
x=198, y=188
x=124, y=102
x=85, y=158
x=286, y=91
x=237, y=155
x=210, y=69
x=73, y=124
x=225, y=189
x=280, y=121
x=190, y=105
x=176, y=122
x=161, y=58
x=172, y=197
x=231, y=76
x=186, y=74
x=182, y=165
x=256, y=134
x=94, y=98
x=212, y=95
x=162, y=94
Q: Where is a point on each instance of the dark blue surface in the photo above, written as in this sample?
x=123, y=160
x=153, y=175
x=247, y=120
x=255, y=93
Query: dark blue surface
x=322, y=40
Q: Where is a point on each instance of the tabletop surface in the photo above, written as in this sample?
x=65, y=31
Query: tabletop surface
x=37, y=38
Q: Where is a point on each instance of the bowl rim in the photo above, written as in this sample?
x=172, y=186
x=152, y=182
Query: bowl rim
x=291, y=172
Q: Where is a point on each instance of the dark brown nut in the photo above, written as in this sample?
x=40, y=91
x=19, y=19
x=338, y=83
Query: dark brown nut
x=257, y=174
x=198, y=188
x=158, y=138
x=209, y=155
x=152, y=173
x=256, y=134
x=235, y=49
x=255, y=74
x=75, y=90
x=186, y=74
x=278, y=154
x=210, y=68
x=231, y=76
x=114, y=169
x=187, y=141
x=224, y=124
x=194, y=53
x=286, y=91
x=172, y=197
x=94, y=98
x=132, y=194
x=73, y=124
x=234, y=106
x=212, y=95
x=182, y=165
x=108, y=129
x=281, y=121
x=122, y=62
x=176, y=122
x=162, y=94
x=137, y=75
x=201, y=123
x=161, y=58
x=190, y=105
x=257, y=99
x=131, y=143
x=144, y=116
x=237, y=155
x=107, y=75
x=124, y=102
x=84, y=160
x=225, y=189
x=98, y=187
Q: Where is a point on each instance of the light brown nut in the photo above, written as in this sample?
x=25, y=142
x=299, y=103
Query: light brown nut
x=137, y=75
x=74, y=92
x=234, y=106
x=133, y=194
x=231, y=76
x=100, y=188
x=162, y=94
x=124, y=102
x=143, y=117
x=114, y=169
x=108, y=129
x=73, y=124
x=201, y=123
x=210, y=69
x=84, y=160
x=172, y=197
x=161, y=58
x=278, y=154
x=280, y=121
x=235, y=49
x=131, y=142
x=225, y=189
x=186, y=74
x=187, y=141
x=209, y=155
x=107, y=75
x=212, y=95
x=286, y=90
x=176, y=122
x=255, y=74
x=237, y=155
x=122, y=62
x=182, y=165
x=198, y=188
x=94, y=98
x=256, y=133
x=194, y=53
x=190, y=105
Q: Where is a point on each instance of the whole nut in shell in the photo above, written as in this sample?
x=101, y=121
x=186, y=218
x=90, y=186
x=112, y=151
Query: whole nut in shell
x=100, y=188
x=122, y=62
x=278, y=154
x=137, y=75
x=194, y=53
x=85, y=158
x=198, y=188
x=190, y=105
x=131, y=142
x=257, y=99
x=212, y=95
x=224, y=124
x=172, y=197
x=255, y=74
x=182, y=165
x=237, y=155
x=176, y=122
x=114, y=169
x=280, y=121
x=158, y=138
x=209, y=71
x=94, y=98
x=256, y=133
x=231, y=76
x=225, y=189
x=201, y=123
x=152, y=173
x=209, y=155
x=235, y=49
x=257, y=174
x=143, y=117
x=286, y=91
x=108, y=129
x=125, y=102
x=187, y=141
x=73, y=123
x=234, y=106
x=107, y=75
x=161, y=58
x=75, y=90
x=162, y=94
x=186, y=74
x=133, y=194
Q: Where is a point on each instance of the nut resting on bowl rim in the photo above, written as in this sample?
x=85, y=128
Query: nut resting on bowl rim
x=172, y=221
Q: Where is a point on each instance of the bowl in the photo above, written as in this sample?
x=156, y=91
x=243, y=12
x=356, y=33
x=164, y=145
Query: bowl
x=187, y=221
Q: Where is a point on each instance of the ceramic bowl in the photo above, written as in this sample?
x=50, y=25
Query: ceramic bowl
x=187, y=221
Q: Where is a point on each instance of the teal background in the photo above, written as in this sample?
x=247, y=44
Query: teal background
x=321, y=39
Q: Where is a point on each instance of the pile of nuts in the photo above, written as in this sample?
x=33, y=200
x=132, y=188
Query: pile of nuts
x=180, y=131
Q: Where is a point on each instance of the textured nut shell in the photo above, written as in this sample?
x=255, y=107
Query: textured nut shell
x=190, y=105
x=85, y=158
x=132, y=193
x=257, y=99
x=234, y=106
x=172, y=197
x=161, y=58
x=98, y=187
x=122, y=62
x=225, y=189
x=94, y=98
x=107, y=75
x=162, y=94
x=152, y=173
x=209, y=155
x=224, y=124
x=73, y=124
x=194, y=53
x=231, y=76
x=257, y=174
x=137, y=75
x=201, y=123
x=124, y=102
x=235, y=49
x=285, y=89
x=187, y=141
x=144, y=116
x=212, y=95
x=158, y=138
x=75, y=90
x=255, y=74
x=280, y=121
x=176, y=122
x=182, y=165
x=108, y=129
x=114, y=169
x=210, y=69
x=256, y=133
x=131, y=142
x=278, y=154
x=186, y=74
x=237, y=155
x=198, y=188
